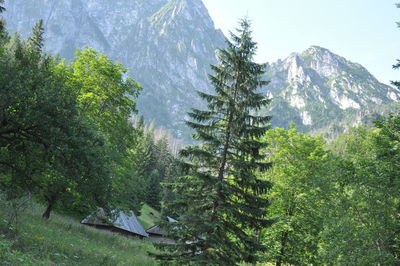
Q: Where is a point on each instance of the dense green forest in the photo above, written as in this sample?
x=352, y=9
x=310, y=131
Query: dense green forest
x=72, y=141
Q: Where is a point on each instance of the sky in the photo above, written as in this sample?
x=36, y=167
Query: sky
x=362, y=31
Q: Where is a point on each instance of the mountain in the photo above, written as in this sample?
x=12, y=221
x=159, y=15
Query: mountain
x=317, y=87
x=168, y=46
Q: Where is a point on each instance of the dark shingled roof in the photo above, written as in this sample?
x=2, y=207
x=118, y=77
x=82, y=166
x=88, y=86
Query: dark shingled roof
x=158, y=229
x=124, y=221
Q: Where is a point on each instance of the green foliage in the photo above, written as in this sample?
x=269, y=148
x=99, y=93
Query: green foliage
x=337, y=206
x=154, y=163
x=220, y=199
x=300, y=178
x=65, y=134
x=105, y=95
x=127, y=186
x=363, y=219
x=173, y=170
x=46, y=146
x=165, y=169
x=35, y=42
x=145, y=161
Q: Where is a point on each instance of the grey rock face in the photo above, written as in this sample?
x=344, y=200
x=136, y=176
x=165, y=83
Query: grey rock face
x=316, y=87
x=168, y=45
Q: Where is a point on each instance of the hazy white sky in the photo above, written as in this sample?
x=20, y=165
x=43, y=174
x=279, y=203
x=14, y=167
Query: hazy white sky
x=363, y=31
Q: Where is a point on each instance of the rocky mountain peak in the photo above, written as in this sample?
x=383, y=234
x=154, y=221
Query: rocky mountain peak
x=169, y=45
x=323, y=61
x=315, y=49
x=317, y=86
x=176, y=13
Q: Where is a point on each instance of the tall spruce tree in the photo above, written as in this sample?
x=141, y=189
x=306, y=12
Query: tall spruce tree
x=2, y=9
x=397, y=65
x=221, y=199
x=3, y=33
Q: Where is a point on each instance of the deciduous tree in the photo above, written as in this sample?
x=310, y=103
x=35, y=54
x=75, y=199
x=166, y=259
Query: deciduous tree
x=301, y=186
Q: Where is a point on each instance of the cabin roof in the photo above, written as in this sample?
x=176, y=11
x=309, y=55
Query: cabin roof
x=156, y=230
x=124, y=221
x=159, y=229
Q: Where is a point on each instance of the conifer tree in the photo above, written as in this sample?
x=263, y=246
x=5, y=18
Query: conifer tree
x=397, y=65
x=3, y=32
x=221, y=199
x=2, y=9
x=36, y=41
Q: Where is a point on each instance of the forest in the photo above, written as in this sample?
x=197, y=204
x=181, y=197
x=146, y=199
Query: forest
x=243, y=193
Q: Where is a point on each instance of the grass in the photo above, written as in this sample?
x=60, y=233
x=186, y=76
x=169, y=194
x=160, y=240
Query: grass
x=64, y=241
x=149, y=217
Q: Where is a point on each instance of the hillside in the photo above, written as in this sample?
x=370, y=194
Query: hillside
x=64, y=241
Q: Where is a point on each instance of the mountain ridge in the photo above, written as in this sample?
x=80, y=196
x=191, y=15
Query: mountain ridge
x=317, y=82
x=169, y=46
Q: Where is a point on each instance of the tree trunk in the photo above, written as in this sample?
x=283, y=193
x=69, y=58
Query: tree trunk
x=224, y=155
x=283, y=247
x=46, y=214
x=284, y=240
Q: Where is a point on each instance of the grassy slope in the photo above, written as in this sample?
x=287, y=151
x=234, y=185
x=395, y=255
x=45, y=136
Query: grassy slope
x=149, y=217
x=64, y=241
